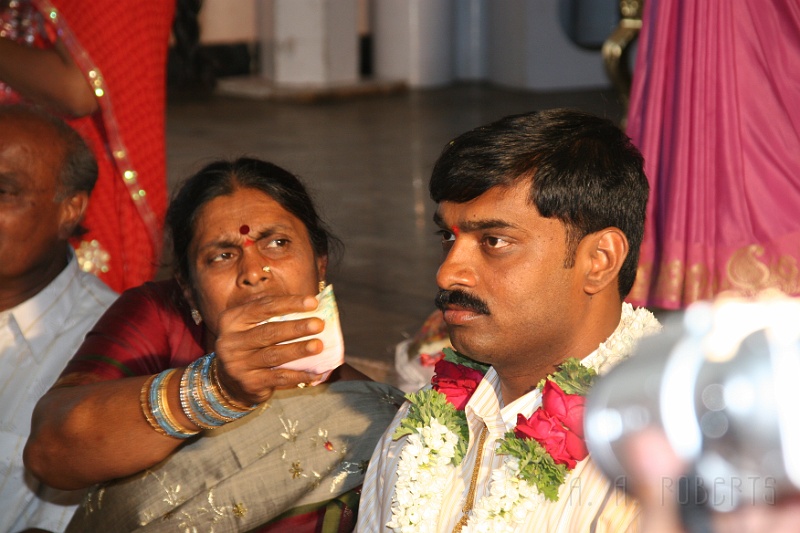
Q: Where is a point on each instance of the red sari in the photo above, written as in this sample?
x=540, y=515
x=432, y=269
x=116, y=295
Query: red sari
x=121, y=48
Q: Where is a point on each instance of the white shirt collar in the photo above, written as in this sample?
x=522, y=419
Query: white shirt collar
x=32, y=315
x=634, y=324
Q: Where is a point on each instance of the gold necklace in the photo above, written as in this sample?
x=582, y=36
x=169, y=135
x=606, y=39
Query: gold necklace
x=473, y=483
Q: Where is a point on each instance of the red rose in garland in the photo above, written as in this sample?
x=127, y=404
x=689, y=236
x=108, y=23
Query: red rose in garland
x=557, y=425
x=456, y=382
x=567, y=408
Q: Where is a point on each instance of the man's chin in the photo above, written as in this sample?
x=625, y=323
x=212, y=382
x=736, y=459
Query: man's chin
x=465, y=348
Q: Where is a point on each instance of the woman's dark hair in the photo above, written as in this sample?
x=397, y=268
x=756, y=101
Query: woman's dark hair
x=583, y=171
x=222, y=178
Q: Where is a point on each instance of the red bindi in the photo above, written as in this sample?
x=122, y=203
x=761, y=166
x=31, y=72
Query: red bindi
x=244, y=229
x=455, y=231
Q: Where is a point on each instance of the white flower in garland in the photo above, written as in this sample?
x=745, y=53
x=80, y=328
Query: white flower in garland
x=634, y=324
x=437, y=439
x=425, y=465
x=509, y=501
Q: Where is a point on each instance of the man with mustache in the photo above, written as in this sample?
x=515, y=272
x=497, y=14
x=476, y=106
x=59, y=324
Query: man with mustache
x=541, y=217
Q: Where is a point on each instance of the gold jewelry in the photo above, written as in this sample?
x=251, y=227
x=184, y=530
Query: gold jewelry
x=201, y=392
x=222, y=395
x=266, y=269
x=144, y=402
x=301, y=385
x=321, y=285
x=186, y=402
x=197, y=317
x=467, y=509
x=163, y=406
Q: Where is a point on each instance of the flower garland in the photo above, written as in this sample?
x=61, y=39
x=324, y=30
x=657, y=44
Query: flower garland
x=538, y=453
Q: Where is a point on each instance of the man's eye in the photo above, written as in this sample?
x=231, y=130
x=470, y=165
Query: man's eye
x=446, y=236
x=495, y=242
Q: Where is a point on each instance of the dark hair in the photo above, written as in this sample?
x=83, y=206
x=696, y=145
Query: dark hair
x=222, y=178
x=79, y=168
x=583, y=170
x=78, y=172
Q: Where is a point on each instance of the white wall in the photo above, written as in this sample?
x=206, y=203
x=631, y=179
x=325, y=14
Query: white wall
x=228, y=21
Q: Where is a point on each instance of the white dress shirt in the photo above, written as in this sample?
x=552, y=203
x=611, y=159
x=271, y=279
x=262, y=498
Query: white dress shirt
x=587, y=503
x=37, y=338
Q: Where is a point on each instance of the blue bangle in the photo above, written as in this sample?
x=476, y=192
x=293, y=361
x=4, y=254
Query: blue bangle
x=159, y=408
x=207, y=416
x=210, y=394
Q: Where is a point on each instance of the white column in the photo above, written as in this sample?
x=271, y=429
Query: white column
x=470, y=39
x=413, y=41
x=528, y=48
x=309, y=42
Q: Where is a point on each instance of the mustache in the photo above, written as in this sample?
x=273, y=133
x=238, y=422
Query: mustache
x=461, y=299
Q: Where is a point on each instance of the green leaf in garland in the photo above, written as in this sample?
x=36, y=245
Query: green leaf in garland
x=428, y=404
x=536, y=466
x=453, y=356
x=572, y=377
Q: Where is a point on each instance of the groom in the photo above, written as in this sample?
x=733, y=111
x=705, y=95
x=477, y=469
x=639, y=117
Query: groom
x=541, y=217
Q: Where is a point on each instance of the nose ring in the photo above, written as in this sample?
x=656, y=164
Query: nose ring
x=266, y=269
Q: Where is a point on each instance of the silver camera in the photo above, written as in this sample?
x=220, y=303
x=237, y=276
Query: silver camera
x=722, y=382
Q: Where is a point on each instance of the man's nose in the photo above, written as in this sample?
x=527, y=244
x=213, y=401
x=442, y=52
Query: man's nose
x=457, y=268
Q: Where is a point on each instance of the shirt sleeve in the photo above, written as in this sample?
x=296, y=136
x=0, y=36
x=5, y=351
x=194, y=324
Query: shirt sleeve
x=51, y=509
x=375, y=507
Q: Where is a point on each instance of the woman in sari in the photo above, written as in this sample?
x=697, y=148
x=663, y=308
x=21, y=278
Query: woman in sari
x=714, y=111
x=190, y=370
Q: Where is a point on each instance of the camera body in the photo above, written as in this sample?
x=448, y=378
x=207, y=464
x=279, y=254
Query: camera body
x=722, y=382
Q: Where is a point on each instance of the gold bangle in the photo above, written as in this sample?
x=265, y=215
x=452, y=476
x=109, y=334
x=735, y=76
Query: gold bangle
x=186, y=402
x=144, y=402
x=163, y=405
x=201, y=390
x=219, y=391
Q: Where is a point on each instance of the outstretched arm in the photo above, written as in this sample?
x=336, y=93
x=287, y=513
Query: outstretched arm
x=47, y=77
x=86, y=434
x=94, y=432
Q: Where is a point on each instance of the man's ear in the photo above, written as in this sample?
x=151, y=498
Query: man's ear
x=605, y=251
x=72, y=209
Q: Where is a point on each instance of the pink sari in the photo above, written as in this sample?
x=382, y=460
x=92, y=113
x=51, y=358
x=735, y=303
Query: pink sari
x=715, y=109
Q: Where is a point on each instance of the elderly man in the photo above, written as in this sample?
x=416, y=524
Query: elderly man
x=541, y=217
x=46, y=303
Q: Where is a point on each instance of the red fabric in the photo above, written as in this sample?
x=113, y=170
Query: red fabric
x=127, y=41
x=304, y=523
x=147, y=330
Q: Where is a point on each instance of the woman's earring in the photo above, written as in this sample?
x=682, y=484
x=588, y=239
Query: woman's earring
x=321, y=285
x=197, y=317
